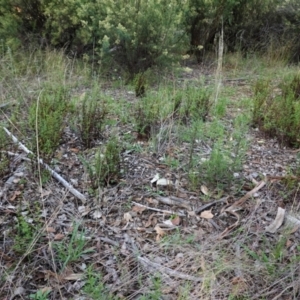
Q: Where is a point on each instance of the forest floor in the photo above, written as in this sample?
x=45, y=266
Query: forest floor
x=160, y=231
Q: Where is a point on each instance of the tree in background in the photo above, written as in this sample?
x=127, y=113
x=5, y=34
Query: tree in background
x=137, y=34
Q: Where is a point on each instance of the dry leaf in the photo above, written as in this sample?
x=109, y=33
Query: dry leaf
x=50, y=229
x=152, y=201
x=206, y=214
x=163, y=182
x=204, y=190
x=138, y=209
x=74, y=276
x=191, y=213
x=84, y=210
x=97, y=214
x=18, y=291
x=59, y=237
x=128, y=217
x=151, y=221
x=160, y=232
x=168, y=223
x=277, y=222
x=288, y=243
x=155, y=178
x=15, y=195
x=45, y=193
x=176, y=221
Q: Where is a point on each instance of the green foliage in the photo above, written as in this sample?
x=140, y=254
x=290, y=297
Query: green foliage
x=4, y=159
x=91, y=119
x=156, y=292
x=24, y=236
x=122, y=30
x=71, y=250
x=241, y=21
x=40, y=295
x=94, y=287
x=192, y=103
x=105, y=167
x=146, y=117
x=226, y=155
x=20, y=21
x=279, y=114
x=46, y=119
x=140, y=85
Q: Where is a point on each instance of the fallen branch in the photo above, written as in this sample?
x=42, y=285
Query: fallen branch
x=160, y=210
x=231, y=227
x=53, y=173
x=158, y=267
x=236, y=205
x=174, y=201
x=241, y=201
x=208, y=205
x=164, y=270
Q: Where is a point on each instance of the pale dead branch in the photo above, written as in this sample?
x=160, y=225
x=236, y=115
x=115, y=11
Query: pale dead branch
x=174, y=201
x=160, y=210
x=164, y=270
x=53, y=173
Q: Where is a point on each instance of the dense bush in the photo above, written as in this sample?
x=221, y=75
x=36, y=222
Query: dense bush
x=241, y=20
x=137, y=34
x=21, y=22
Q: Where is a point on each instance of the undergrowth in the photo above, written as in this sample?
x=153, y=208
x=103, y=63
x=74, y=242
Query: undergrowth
x=277, y=108
x=195, y=141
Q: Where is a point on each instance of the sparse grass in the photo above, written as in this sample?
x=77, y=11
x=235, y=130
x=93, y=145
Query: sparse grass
x=47, y=120
x=25, y=233
x=105, y=167
x=90, y=119
x=94, y=286
x=70, y=251
x=40, y=295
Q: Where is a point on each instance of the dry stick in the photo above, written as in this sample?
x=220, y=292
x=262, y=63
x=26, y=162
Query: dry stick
x=208, y=205
x=284, y=290
x=231, y=209
x=174, y=201
x=220, y=62
x=159, y=210
x=158, y=267
x=53, y=173
x=165, y=270
x=247, y=196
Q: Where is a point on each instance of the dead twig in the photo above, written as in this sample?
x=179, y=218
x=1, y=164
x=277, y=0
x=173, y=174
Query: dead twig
x=241, y=201
x=160, y=210
x=164, y=270
x=231, y=227
x=208, y=205
x=174, y=201
x=53, y=173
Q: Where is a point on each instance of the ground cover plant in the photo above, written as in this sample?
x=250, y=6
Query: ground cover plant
x=177, y=183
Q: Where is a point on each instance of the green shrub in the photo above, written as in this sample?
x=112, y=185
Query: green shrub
x=192, y=103
x=21, y=22
x=278, y=114
x=105, y=167
x=91, y=119
x=242, y=21
x=136, y=34
x=147, y=114
x=47, y=120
